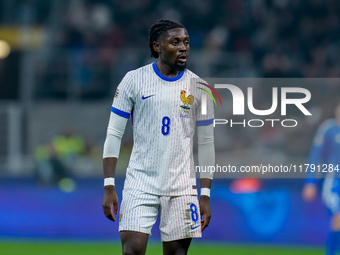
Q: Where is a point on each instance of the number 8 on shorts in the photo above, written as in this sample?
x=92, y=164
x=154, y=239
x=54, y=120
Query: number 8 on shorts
x=194, y=213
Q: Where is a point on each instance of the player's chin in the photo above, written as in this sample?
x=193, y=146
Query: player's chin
x=180, y=66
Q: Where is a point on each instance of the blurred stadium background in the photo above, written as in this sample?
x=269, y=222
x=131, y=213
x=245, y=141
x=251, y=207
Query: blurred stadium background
x=61, y=62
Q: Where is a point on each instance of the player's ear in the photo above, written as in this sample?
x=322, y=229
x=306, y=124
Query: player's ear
x=157, y=46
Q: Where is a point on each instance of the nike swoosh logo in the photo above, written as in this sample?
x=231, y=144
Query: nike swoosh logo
x=192, y=228
x=143, y=97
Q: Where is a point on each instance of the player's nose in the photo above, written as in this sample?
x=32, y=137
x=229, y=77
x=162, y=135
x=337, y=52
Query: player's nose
x=183, y=46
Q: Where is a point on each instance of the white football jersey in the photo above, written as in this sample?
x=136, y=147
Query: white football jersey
x=164, y=113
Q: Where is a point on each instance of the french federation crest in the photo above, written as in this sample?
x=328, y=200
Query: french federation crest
x=187, y=101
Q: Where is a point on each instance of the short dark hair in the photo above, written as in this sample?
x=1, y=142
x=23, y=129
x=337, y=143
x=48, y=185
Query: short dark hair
x=159, y=28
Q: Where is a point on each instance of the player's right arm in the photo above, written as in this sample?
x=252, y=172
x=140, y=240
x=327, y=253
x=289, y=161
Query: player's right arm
x=120, y=112
x=112, y=146
x=110, y=198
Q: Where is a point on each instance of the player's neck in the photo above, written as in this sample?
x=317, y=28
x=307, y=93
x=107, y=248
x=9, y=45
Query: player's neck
x=166, y=69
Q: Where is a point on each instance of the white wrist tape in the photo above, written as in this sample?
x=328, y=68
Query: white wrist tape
x=205, y=192
x=109, y=181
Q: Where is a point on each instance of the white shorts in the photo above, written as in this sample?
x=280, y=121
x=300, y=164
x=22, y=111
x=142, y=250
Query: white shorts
x=180, y=215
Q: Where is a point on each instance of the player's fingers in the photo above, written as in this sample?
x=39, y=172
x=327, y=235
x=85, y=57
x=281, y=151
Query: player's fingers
x=111, y=217
x=115, y=208
x=108, y=212
x=204, y=222
x=208, y=217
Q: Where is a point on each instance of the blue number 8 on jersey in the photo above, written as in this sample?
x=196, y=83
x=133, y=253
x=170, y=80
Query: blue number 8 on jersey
x=166, y=125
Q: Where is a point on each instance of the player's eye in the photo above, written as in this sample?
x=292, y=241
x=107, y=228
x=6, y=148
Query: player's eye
x=186, y=43
x=174, y=43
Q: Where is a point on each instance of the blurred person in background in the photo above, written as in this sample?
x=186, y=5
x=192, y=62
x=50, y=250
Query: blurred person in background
x=325, y=155
x=49, y=168
x=55, y=159
x=158, y=178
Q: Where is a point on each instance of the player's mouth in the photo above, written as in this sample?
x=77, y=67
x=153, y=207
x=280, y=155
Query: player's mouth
x=182, y=58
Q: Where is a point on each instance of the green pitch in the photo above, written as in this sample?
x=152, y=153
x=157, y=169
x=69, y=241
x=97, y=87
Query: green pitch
x=25, y=248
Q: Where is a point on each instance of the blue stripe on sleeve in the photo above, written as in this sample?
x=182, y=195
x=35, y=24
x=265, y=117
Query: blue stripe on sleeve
x=204, y=122
x=120, y=113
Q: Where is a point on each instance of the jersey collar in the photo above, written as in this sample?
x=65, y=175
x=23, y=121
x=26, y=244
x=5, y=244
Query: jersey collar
x=179, y=76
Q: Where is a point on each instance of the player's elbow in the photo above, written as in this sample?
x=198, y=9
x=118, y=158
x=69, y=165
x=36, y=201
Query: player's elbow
x=207, y=141
x=114, y=132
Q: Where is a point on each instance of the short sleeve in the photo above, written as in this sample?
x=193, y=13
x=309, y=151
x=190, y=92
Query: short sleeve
x=124, y=97
x=206, y=103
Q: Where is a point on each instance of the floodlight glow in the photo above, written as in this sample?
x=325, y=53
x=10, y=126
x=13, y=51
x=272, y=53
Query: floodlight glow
x=5, y=49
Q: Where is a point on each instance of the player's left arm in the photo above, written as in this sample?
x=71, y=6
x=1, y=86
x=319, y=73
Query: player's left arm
x=206, y=157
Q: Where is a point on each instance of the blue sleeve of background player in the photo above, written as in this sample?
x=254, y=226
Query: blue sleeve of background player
x=318, y=151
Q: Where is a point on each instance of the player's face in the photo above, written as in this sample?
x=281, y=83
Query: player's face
x=174, y=48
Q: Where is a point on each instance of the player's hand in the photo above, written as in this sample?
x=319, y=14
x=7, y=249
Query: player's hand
x=309, y=192
x=110, y=200
x=205, y=211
